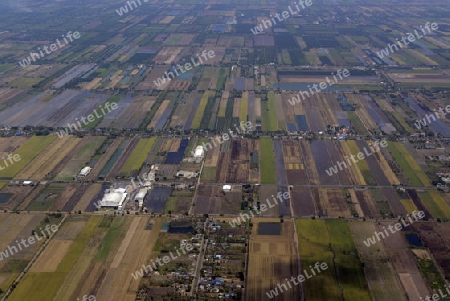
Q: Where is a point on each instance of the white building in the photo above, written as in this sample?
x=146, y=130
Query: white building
x=199, y=152
x=114, y=198
x=84, y=172
x=226, y=188
x=140, y=196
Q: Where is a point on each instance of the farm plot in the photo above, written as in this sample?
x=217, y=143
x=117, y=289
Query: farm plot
x=435, y=238
x=302, y=202
x=334, y=203
x=330, y=241
x=116, y=158
x=15, y=228
x=42, y=286
x=87, y=148
x=239, y=168
x=295, y=170
x=265, y=197
x=411, y=169
x=364, y=198
x=10, y=144
x=309, y=162
x=157, y=198
x=435, y=204
x=107, y=150
x=44, y=163
x=27, y=151
x=380, y=274
x=272, y=259
x=211, y=200
x=47, y=198
x=14, y=197
x=267, y=161
x=403, y=261
x=137, y=157
x=323, y=162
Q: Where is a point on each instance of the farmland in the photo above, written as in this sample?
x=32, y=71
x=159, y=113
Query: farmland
x=259, y=205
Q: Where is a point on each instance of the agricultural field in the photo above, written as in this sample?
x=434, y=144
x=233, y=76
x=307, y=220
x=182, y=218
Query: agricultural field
x=27, y=152
x=331, y=242
x=272, y=258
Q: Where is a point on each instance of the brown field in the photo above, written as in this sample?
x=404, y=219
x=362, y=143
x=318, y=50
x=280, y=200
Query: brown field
x=364, y=198
x=239, y=168
x=39, y=168
x=404, y=263
x=435, y=237
x=211, y=200
x=162, y=108
x=135, y=113
x=71, y=189
x=383, y=281
x=308, y=163
x=19, y=194
x=155, y=73
x=87, y=197
x=222, y=167
x=54, y=253
x=167, y=55
x=272, y=259
x=212, y=157
x=334, y=203
x=10, y=144
x=137, y=253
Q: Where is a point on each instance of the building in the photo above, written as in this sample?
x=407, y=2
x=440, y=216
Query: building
x=84, y=172
x=199, y=152
x=140, y=196
x=114, y=198
x=226, y=188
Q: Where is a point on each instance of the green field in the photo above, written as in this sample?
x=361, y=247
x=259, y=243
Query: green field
x=44, y=286
x=411, y=169
x=208, y=174
x=27, y=151
x=330, y=241
x=269, y=113
x=356, y=123
x=267, y=161
x=111, y=236
x=138, y=156
x=437, y=206
x=201, y=109
x=244, y=110
x=362, y=164
x=47, y=197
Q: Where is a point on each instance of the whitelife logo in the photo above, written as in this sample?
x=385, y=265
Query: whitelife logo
x=428, y=117
x=284, y=15
x=397, y=227
x=91, y=118
x=360, y=155
x=26, y=62
x=323, y=85
x=124, y=9
x=318, y=266
x=162, y=80
x=11, y=250
x=410, y=37
x=10, y=158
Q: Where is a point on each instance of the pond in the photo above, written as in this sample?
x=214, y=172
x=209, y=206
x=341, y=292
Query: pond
x=413, y=239
x=269, y=229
